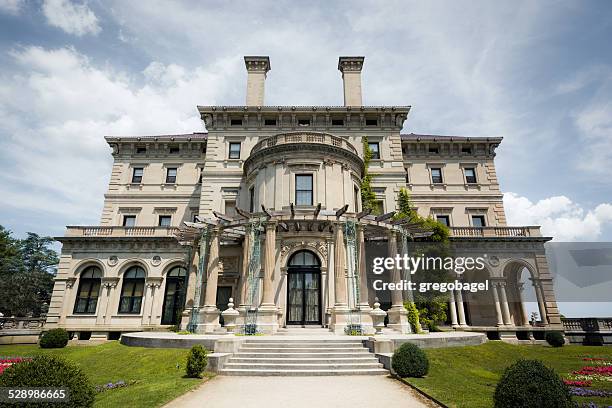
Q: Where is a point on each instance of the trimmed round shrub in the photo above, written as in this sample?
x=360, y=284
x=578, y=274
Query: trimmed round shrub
x=410, y=361
x=196, y=361
x=555, y=339
x=529, y=383
x=54, y=372
x=55, y=338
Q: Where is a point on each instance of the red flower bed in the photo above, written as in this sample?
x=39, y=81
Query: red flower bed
x=589, y=370
x=7, y=362
x=573, y=383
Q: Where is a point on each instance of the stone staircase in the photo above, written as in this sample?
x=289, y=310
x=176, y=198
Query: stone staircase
x=302, y=357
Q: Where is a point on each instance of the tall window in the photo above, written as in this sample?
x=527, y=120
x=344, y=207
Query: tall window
x=137, y=175
x=378, y=207
x=230, y=207
x=252, y=199
x=234, y=150
x=470, y=175
x=89, y=290
x=132, y=290
x=129, y=220
x=443, y=219
x=171, y=175
x=478, y=221
x=375, y=148
x=165, y=220
x=436, y=175
x=303, y=189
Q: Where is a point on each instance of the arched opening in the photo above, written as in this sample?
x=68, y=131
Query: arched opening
x=304, y=289
x=89, y=290
x=479, y=306
x=132, y=290
x=174, y=295
x=522, y=299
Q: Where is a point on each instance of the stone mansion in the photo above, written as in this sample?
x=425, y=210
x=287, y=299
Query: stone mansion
x=265, y=208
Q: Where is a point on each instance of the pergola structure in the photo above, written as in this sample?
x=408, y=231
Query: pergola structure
x=258, y=312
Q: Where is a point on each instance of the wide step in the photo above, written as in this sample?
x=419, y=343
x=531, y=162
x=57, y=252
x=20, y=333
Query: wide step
x=288, y=373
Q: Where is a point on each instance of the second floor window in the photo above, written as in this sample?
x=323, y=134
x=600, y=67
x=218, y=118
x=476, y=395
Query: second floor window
x=165, y=220
x=470, y=175
x=252, y=199
x=443, y=219
x=234, y=150
x=129, y=220
x=303, y=189
x=436, y=175
x=375, y=148
x=478, y=221
x=171, y=175
x=137, y=175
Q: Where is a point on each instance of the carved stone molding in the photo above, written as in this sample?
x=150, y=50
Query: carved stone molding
x=319, y=247
x=110, y=283
x=154, y=282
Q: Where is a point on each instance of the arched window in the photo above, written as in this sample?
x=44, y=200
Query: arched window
x=174, y=297
x=304, y=258
x=89, y=290
x=132, y=290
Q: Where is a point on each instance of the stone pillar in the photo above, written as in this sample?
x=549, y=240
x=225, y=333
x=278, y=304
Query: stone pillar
x=152, y=284
x=538, y=290
x=209, y=314
x=460, y=309
x=340, y=313
x=191, y=288
x=362, y=268
x=504, y=304
x=453, y=309
x=67, y=301
x=398, y=315
x=244, y=278
x=408, y=295
x=498, y=312
x=267, y=315
x=520, y=287
x=107, y=288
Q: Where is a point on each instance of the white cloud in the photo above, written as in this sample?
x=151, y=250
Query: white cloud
x=12, y=7
x=559, y=217
x=53, y=117
x=77, y=19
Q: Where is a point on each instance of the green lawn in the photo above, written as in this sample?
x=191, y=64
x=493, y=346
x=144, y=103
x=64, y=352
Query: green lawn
x=466, y=376
x=155, y=370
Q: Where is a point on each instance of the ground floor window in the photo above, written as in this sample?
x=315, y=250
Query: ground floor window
x=132, y=290
x=174, y=296
x=89, y=290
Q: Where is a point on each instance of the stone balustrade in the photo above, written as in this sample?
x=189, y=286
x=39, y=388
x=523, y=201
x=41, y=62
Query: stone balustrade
x=304, y=137
x=21, y=330
x=97, y=231
x=497, y=232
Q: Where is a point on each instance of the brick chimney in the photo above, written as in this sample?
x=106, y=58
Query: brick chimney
x=351, y=78
x=257, y=67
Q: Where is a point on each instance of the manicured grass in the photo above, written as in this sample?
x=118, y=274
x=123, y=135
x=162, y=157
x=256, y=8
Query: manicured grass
x=155, y=370
x=466, y=376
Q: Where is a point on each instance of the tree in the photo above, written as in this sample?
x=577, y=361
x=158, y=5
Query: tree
x=26, y=273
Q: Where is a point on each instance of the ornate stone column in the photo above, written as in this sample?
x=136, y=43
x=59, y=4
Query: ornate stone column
x=541, y=305
x=460, y=309
x=243, y=286
x=520, y=286
x=453, y=309
x=362, y=268
x=152, y=284
x=267, y=315
x=498, y=312
x=66, y=301
x=504, y=304
x=107, y=288
x=209, y=314
x=398, y=315
x=340, y=313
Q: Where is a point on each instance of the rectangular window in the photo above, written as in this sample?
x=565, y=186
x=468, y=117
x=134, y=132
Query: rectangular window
x=443, y=219
x=337, y=122
x=171, y=175
x=230, y=208
x=378, y=208
x=303, y=189
x=478, y=221
x=375, y=148
x=236, y=122
x=270, y=122
x=129, y=220
x=252, y=199
x=174, y=149
x=466, y=150
x=303, y=122
x=470, y=175
x=137, y=175
x=234, y=150
x=356, y=199
x=141, y=150
x=165, y=220
x=436, y=175
x=371, y=122
x=194, y=218
x=434, y=150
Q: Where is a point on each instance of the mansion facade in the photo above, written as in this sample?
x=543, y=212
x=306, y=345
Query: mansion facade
x=264, y=208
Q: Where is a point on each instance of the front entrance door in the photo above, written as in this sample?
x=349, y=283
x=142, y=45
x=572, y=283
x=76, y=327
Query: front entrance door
x=303, y=289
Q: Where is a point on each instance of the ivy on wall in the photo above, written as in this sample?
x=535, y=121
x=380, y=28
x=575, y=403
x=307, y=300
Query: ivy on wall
x=368, y=198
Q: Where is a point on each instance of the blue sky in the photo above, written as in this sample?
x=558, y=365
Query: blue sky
x=537, y=73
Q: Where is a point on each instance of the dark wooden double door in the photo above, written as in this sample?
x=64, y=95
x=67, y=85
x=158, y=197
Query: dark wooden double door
x=304, y=296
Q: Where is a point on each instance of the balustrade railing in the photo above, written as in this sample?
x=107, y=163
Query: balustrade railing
x=92, y=231
x=495, y=231
x=21, y=323
x=587, y=325
x=306, y=137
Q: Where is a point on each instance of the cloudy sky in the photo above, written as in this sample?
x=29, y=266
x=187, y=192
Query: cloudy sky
x=537, y=73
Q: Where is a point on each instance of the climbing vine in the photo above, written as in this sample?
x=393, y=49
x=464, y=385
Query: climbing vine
x=368, y=198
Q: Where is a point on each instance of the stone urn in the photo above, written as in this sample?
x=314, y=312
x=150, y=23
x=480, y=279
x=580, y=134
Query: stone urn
x=378, y=317
x=229, y=317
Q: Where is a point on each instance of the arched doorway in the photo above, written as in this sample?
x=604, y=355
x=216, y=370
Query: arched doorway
x=303, y=289
x=174, y=296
